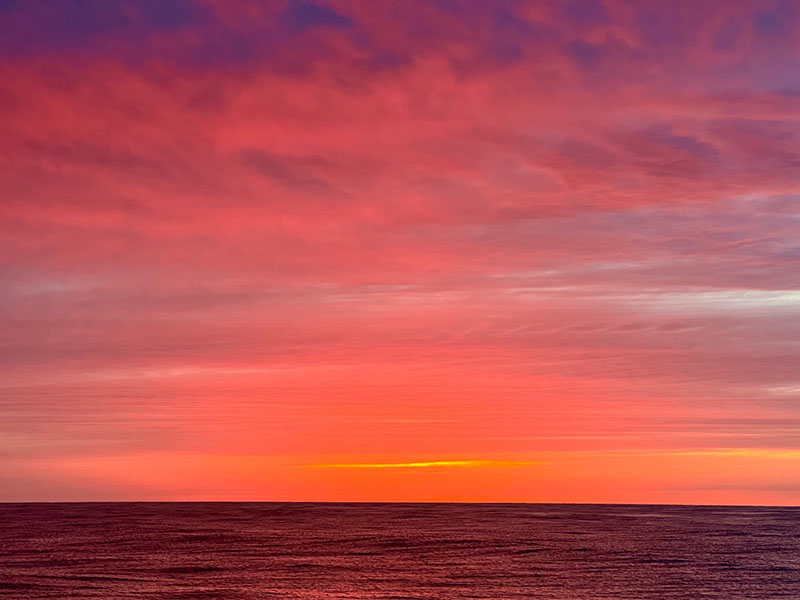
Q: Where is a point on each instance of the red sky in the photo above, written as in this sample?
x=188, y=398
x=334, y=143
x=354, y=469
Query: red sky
x=441, y=250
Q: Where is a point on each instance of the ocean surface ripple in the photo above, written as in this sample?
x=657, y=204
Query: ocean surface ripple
x=248, y=551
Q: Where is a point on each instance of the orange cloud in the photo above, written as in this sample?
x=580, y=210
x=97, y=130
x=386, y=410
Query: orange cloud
x=430, y=464
x=507, y=230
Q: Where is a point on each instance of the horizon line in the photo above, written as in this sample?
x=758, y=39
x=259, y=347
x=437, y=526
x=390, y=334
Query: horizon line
x=467, y=502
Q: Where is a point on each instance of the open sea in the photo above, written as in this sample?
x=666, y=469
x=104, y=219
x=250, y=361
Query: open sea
x=244, y=551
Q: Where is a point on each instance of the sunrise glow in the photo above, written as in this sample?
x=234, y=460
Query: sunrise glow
x=423, y=250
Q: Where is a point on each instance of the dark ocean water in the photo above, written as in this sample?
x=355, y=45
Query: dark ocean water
x=198, y=551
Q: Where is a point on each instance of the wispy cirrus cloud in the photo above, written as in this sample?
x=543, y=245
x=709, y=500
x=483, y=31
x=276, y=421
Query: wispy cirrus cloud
x=472, y=464
x=354, y=228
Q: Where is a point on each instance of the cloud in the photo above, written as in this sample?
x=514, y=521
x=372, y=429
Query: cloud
x=481, y=228
x=430, y=464
x=300, y=15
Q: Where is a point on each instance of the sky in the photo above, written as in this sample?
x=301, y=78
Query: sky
x=440, y=250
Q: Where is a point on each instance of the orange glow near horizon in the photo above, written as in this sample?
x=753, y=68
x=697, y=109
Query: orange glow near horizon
x=470, y=251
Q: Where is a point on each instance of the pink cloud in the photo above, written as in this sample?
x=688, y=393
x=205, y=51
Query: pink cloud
x=507, y=229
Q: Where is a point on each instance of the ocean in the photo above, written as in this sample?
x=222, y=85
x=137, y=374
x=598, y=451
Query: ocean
x=248, y=551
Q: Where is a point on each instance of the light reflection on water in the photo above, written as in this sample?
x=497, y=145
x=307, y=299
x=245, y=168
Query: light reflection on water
x=243, y=551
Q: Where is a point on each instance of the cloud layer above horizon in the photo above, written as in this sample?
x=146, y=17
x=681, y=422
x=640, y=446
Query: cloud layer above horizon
x=240, y=238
